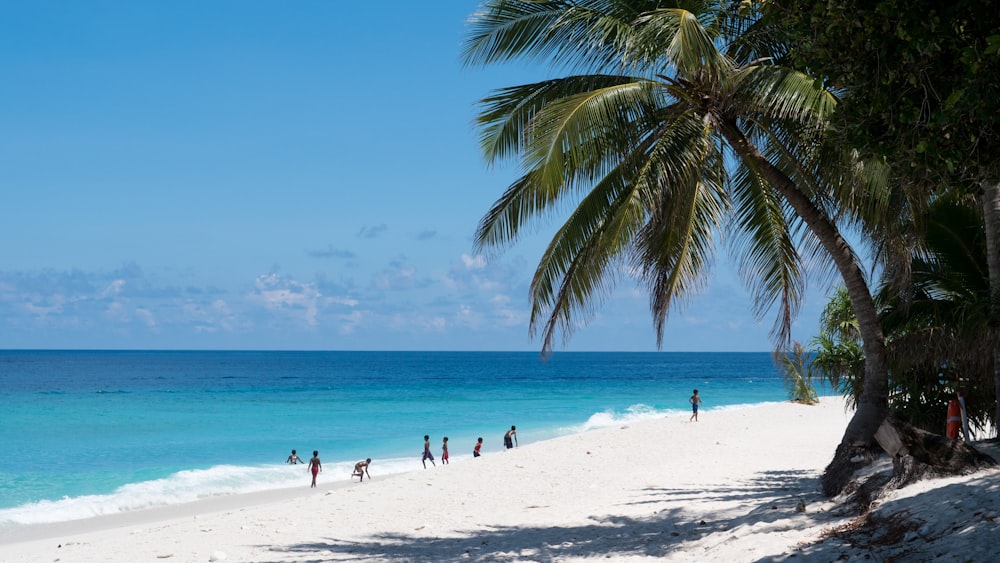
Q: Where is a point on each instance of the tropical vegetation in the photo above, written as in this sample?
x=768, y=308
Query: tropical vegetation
x=679, y=124
x=920, y=88
x=937, y=327
x=796, y=366
x=670, y=124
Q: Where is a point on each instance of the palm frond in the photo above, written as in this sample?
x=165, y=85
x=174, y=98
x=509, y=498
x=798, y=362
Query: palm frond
x=585, y=35
x=573, y=273
x=784, y=94
x=506, y=115
x=569, y=143
x=675, y=37
x=674, y=251
x=765, y=248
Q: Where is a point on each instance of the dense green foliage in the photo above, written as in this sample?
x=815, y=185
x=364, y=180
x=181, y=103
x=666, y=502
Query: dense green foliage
x=919, y=80
x=919, y=91
x=937, y=333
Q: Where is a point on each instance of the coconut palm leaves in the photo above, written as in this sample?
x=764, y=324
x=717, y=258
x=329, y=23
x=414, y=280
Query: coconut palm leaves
x=795, y=365
x=632, y=148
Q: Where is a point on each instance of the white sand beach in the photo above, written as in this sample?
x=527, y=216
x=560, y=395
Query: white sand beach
x=739, y=485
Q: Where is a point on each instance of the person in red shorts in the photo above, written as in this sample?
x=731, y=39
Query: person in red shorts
x=315, y=466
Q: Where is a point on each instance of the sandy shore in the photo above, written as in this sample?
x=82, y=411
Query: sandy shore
x=740, y=485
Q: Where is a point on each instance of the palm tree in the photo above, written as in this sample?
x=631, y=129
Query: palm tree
x=678, y=125
x=796, y=365
x=839, y=358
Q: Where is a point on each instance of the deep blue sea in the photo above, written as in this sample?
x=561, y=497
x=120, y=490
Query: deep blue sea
x=87, y=433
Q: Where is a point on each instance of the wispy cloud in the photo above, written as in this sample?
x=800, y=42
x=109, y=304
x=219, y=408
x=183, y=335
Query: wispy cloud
x=331, y=252
x=476, y=262
x=287, y=296
x=373, y=231
x=400, y=276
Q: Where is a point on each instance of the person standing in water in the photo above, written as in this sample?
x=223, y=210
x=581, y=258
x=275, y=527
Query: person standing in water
x=294, y=458
x=315, y=466
x=444, y=451
x=695, y=400
x=427, y=452
x=510, y=438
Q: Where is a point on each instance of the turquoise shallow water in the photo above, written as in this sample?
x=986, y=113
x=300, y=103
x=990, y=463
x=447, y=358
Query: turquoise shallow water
x=98, y=432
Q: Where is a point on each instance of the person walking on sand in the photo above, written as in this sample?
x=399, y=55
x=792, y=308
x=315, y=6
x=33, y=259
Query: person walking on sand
x=427, y=452
x=510, y=438
x=294, y=458
x=361, y=469
x=444, y=451
x=479, y=446
x=695, y=400
x=315, y=466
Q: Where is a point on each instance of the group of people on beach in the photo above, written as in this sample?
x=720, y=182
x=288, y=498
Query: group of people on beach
x=509, y=441
x=315, y=466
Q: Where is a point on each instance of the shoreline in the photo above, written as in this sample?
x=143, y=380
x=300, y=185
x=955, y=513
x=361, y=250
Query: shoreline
x=537, y=486
x=739, y=485
x=396, y=465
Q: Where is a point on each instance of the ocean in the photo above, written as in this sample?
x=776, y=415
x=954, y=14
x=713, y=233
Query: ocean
x=88, y=433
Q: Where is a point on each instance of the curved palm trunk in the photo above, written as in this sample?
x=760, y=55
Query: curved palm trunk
x=873, y=403
x=991, y=216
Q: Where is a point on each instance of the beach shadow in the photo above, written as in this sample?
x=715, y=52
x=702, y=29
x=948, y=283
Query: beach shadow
x=958, y=521
x=767, y=489
x=765, y=500
x=608, y=537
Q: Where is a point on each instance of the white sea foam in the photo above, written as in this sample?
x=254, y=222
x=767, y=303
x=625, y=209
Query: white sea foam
x=634, y=413
x=189, y=486
x=640, y=412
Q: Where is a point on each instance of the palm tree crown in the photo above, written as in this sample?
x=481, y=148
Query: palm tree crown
x=651, y=146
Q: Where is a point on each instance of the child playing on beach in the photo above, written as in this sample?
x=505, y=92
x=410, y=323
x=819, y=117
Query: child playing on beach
x=315, y=466
x=427, y=452
x=479, y=446
x=444, y=452
x=695, y=400
x=361, y=469
x=510, y=438
x=294, y=458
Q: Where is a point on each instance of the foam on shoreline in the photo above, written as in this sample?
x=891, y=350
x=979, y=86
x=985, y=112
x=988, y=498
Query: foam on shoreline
x=740, y=485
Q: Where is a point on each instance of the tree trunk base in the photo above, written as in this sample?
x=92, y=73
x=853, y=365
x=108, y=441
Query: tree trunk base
x=846, y=461
x=917, y=454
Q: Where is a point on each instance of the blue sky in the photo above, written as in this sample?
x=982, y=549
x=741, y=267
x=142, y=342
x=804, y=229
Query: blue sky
x=297, y=175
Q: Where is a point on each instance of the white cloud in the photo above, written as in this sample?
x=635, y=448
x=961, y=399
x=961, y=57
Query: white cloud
x=403, y=277
x=114, y=289
x=349, y=323
x=469, y=317
x=212, y=318
x=146, y=317
x=288, y=296
x=415, y=323
x=476, y=262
